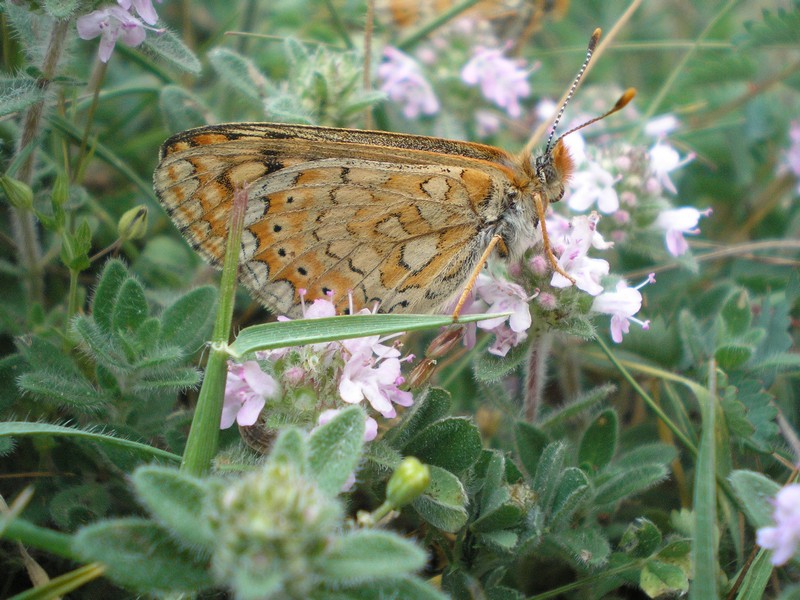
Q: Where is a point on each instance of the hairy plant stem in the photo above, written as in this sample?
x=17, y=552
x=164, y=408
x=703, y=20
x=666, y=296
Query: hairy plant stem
x=26, y=235
x=536, y=375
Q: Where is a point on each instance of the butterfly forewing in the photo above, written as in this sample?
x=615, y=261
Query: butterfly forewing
x=397, y=220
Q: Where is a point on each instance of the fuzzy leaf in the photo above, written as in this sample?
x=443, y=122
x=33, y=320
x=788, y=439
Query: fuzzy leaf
x=641, y=539
x=586, y=546
x=659, y=578
x=396, y=588
x=573, y=494
x=239, y=72
x=630, y=482
x=434, y=405
x=176, y=501
x=489, y=368
x=335, y=449
x=18, y=93
x=62, y=389
x=170, y=48
x=548, y=473
x=576, y=407
x=443, y=503
x=130, y=308
x=655, y=453
x=755, y=492
x=187, y=321
x=453, y=444
x=599, y=441
x=290, y=447
x=180, y=109
x=143, y=556
x=105, y=296
x=369, y=555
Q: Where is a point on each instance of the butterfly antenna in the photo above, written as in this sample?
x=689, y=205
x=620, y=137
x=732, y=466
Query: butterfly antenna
x=626, y=97
x=589, y=51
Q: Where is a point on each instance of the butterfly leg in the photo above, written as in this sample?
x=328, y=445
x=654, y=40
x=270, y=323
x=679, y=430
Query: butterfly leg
x=548, y=249
x=475, y=272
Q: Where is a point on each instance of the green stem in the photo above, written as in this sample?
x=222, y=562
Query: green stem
x=23, y=222
x=201, y=445
x=41, y=538
x=97, y=79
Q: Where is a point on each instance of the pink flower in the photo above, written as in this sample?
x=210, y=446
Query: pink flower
x=593, y=184
x=111, y=23
x=622, y=304
x=792, y=157
x=663, y=160
x=144, y=8
x=405, y=84
x=246, y=391
x=676, y=223
x=574, y=258
x=502, y=80
x=504, y=296
x=784, y=538
x=486, y=123
x=377, y=381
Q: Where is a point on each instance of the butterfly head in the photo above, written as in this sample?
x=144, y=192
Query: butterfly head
x=553, y=170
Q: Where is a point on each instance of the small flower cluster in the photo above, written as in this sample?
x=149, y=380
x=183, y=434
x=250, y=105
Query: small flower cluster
x=318, y=378
x=784, y=537
x=403, y=81
x=629, y=184
x=116, y=23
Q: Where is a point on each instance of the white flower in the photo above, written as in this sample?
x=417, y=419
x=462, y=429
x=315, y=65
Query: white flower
x=661, y=126
x=574, y=259
x=111, y=24
x=622, y=304
x=677, y=222
x=663, y=160
x=784, y=538
x=504, y=296
x=593, y=184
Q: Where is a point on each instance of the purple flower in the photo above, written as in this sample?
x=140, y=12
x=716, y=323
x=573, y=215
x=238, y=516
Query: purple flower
x=622, y=304
x=574, y=258
x=144, y=8
x=663, y=160
x=792, y=158
x=784, y=538
x=111, y=23
x=405, y=84
x=678, y=222
x=504, y=296
x=246, y=391
x=502, y=80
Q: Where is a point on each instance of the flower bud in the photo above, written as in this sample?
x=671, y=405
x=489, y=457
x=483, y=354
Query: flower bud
x=421, y=373
x=133, y=224
x=445, y=342
x=19, y=194
x=60, y=190
x=408, y=482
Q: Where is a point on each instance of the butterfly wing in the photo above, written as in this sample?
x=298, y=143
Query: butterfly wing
x=337, y=210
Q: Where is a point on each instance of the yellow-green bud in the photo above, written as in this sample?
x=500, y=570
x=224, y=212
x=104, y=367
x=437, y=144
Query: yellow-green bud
x=19, y=194
x=408, y=482
x=60, y=189
x=133, y=224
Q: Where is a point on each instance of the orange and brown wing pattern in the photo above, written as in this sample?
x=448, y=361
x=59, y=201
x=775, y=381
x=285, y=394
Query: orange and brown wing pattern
x=393, y=225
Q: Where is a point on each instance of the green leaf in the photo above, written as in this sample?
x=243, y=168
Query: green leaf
x=177, y=502
x=548, y=473
x=755, y=492
x=641, y=539
x=130, y=308
x=573, y=494
x=290, y=447
x=443, y=503
x=76, y=505
x=170, y=48
x=629, y=483
x=180, y=109
x=61, y=389
x=779, y=27
x=369, y=555
x=499, y=540
x=239, y=72
x=586, y=546
x=186, y=323
x=655, y=453
x=736, y=314
x=453, y=444
x=335, y=449
x=658, y=579
x=431, y=407
x=695, y=342
x=102, y=346
x=599, y=441
x=21, y=428
x=396, y=588
x=733, y=355
x=576, y=407
x=18, y=93
x=105, y=296
x=530, y=442
x=61, y=9
x=313, y=331
x=141, y=555
x=489, y=368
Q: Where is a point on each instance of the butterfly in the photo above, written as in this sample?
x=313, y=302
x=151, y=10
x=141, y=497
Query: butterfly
x=404, y=222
